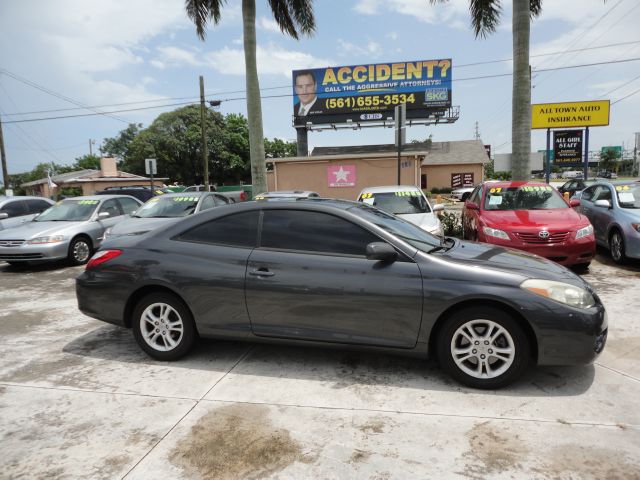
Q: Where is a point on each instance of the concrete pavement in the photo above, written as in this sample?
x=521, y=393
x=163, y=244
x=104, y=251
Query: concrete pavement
x=78, y=399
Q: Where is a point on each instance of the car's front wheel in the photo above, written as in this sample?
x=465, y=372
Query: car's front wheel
x=80, y=251
x=163, y=326
x=483, y=347
x=616, y=245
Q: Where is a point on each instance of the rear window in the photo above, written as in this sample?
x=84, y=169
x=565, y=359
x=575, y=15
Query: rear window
x=397, y=203
x=526, y=197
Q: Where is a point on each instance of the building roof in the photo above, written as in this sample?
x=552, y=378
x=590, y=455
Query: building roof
x=435, y=153
x=90, y=175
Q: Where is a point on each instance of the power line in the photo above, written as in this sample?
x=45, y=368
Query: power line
x=626, y=96
x=215, y=94
x=623, y=85
x=291, y=95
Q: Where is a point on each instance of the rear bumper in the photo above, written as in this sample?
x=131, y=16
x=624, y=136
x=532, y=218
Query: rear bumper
x=102, y=300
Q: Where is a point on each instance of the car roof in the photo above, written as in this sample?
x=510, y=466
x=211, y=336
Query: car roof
x=100, y=197
x=517, y=183
x=390, y=188
x=24, y=197
x=183, y=194
x=287, y=193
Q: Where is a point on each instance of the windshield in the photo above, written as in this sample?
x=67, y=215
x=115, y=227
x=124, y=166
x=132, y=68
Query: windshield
x=526, y=197
x=69, y=211
x=628, y=195
x=402, y=229
x=397, y=203
x=180, y=206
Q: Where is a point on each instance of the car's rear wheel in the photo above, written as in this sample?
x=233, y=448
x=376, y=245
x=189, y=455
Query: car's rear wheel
x=163, y=326
x=616, y=245
x=80, y=251
x=483, y=347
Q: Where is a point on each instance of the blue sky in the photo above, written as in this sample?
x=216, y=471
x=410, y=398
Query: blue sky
x=117, y=52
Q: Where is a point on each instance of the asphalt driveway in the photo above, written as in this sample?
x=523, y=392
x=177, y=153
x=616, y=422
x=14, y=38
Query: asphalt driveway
x=78, y=399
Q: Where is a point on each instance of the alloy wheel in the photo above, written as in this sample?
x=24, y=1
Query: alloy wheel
x=617, y=247
x=81, y=251
x=161, y=327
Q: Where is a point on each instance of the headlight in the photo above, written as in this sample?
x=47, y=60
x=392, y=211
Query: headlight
x=41, y=240
x=494, y=232
x=583, y=232
x=560, y=292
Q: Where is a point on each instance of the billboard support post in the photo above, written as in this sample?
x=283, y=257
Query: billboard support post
x=586, y=153
x=547, y=167
x=302, y=142
x=400, y=115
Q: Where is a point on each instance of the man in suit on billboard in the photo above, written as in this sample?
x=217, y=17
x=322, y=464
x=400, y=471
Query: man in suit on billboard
x=305, y=88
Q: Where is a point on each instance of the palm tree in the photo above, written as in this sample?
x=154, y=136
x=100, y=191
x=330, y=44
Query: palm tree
x=293, y=17
x=485, y=16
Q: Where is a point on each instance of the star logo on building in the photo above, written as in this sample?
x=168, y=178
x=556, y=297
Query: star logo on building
x=341, y=175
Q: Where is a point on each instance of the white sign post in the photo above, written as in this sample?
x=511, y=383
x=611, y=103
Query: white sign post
x=151, y=169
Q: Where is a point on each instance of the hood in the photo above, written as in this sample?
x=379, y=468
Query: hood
x=516, y=262
x=426, y=221
x=32, y=229
x=563, y=218
x=137, y=226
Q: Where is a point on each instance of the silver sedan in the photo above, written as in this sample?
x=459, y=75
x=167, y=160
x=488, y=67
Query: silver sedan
x=71, y=229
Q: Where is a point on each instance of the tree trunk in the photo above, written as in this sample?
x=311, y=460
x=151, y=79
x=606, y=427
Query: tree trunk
x=521, y=101
x=254, y=108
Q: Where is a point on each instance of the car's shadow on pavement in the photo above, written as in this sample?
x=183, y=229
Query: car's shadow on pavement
x=338, y=368
x=21, y=268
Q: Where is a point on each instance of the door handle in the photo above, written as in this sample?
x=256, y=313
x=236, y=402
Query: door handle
x=261, y=272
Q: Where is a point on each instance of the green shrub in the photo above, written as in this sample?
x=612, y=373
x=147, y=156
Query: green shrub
x=451, y=224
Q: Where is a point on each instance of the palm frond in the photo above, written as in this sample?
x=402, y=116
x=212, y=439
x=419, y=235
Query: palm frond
x=535, y=6
x=200, y=11
x=485, y=16
x=294, y=16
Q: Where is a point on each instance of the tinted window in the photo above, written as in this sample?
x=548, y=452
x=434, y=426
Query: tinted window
x=601, y=193
x=397, y=203
x=313, y=232
x=475, y=195
x=15, y=208
x=220, y=200
x=588, y=193
x=37, y=206
x=128, y=205
x=207, y=203
x=111, y=207
x=240, y=229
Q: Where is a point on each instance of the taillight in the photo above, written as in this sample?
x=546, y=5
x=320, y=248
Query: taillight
x=101, y=257
x=243, y=196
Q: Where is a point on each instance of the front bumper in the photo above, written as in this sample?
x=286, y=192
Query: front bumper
x=570, y=252
x=23, y=252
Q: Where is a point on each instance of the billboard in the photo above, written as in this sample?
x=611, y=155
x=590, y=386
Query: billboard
x=369, y=92
x=570, y=114
x=567, y=148
x=617, y=150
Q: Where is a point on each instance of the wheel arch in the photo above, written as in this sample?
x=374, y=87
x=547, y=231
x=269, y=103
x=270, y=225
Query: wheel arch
x=145, y=290
x=476, y=303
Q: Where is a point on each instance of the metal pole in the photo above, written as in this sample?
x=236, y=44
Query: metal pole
x=586, y=154
x=204, y=137
x=90, y=150
x=399, y=152
x=3, y=157
x=547, y=157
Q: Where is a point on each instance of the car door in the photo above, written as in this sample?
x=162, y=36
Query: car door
x=601, y=217
x=112, y=207
x=17, y=214
x=309, y=279
x=587, y=208
x=470, y=218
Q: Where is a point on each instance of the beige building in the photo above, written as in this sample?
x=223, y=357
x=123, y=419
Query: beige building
x=89, y=181
x=342, y=172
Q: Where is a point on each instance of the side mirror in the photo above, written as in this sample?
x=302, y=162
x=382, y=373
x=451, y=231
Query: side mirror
x=471, y=206
x=4, y=215
x=574, y=202
x=602, y=203
x=381, y=251
x=103, y=215
x=438, y=207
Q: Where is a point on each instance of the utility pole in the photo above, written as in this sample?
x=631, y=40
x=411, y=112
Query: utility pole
x=204, y=137
x=3, y=157
x=91, y=143
x=477, y=133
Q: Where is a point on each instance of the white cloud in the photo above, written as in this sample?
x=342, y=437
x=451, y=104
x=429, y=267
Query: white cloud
x=371, y=49
x=368, y=7
x=392, y=35
x=269, y=24
x=175, y=56
x=422, y=10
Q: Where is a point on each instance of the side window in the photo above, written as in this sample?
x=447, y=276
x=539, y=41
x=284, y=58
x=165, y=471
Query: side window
x=37, y=206
x=588, y=193
x=220, y=200
x=476, y=195
x=238, y=230
x=110, y=206
x=17, y=208
x=602, y=193
x=207, y=203
x=313, y=232
x=128, y=205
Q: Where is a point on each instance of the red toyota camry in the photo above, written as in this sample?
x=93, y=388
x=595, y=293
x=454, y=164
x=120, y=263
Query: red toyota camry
x=530, y=216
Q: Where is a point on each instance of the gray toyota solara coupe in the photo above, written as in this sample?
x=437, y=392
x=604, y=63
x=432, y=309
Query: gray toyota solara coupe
x=337, y=273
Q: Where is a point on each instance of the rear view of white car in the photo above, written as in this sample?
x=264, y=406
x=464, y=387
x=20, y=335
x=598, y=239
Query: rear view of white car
x=407, y=202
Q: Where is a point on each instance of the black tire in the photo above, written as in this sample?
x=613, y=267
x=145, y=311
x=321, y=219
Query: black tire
x=616, y=247
x=171, y=343
x=582, y=267
x=80, y=251
x=494, y=371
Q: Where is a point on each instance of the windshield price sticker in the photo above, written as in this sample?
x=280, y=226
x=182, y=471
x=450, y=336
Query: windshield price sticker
x=621, y=188
x=185, y=199
x=369, y=201
x=366, y=195
x=536, y=188
x=495, y=200
x=408, y=194
x=88, y=202
x=626, y=197
x=495, y=190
